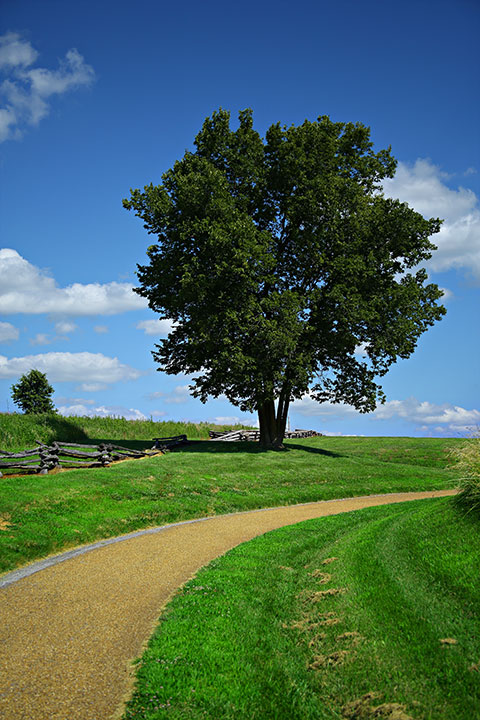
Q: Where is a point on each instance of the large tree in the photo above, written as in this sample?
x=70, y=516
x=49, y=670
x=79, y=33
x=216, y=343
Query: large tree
x=277, y=259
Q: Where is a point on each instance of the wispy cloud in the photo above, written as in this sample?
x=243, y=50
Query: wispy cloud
x=27, y=90
x=25, y=288
x=92, y=387
x=8, y=332
x=160, y=328
x=63, y=327
x=448, y=416
x=82, y=409
x=83, y=367
x=427, y=413
x=250, y=420
x=424, y=188
x=41, y=339
x=179, y=394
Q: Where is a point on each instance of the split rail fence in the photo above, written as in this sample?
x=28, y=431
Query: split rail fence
x=43, y=458
x=254, y=435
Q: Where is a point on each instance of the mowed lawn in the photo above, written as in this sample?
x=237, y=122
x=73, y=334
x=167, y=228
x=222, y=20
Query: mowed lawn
x=368, y=614
x=40, y=515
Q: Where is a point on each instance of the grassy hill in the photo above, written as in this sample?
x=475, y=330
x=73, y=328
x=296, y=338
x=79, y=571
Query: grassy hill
x=19, y=431
x=43, y=514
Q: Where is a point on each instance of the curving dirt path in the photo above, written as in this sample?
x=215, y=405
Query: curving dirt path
x=70, y=630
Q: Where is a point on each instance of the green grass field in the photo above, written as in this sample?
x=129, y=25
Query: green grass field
x=371, y=614
x=389, y=629
x=44, y=514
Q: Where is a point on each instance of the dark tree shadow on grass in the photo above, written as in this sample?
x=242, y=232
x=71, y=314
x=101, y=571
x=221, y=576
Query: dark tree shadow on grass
x=64, y=430
x=252, y=448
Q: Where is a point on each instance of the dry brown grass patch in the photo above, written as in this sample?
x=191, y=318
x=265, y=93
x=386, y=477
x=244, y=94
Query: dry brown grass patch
x=319, y=595
x=333, y=660
x=5, y=523
x=362, y=709
x=352, y=637
x=322, y=577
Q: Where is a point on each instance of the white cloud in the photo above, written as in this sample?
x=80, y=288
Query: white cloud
x=64, y=327
x=328, y=411
x=155, y=327
x=28, y=89
x=24, y=288
x=361, y=349
x=158, y=414
x=70, y=367
x=179, y=394
x=40, y=339
x=101, y=329
x=8, y=120
x=251, y=421
x=338, y=434
x=14, y=51
x=451, y=417
x=81, y=409
x=8, y=332
x=74, y=401
x=422, y=186
x=92, y=387
x=427, y=413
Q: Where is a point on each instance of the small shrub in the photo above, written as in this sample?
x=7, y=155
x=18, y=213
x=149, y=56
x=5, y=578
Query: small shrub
x=466, y=460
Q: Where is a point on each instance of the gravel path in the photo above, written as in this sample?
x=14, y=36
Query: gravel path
x=70, y=629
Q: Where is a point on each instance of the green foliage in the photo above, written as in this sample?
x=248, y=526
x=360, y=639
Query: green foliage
x=33, y=392
x=248, y=637
x=466, y=461
x=277, y=258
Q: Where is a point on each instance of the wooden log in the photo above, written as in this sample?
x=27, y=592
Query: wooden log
x=25, y=464
x=120, y=447
x=81, y=464
x=78, y=454
x=169, y=442
x=24, y=453
x=81, y=445
x=172, y=437
x=22, y=467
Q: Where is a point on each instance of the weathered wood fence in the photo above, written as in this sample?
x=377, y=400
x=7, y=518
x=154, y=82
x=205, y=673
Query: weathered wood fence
x=254, y=435
x=168, y=442
x=43, y=458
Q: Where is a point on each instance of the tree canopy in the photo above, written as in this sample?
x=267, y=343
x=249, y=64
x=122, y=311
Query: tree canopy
x=33, y=393
x=277, y=258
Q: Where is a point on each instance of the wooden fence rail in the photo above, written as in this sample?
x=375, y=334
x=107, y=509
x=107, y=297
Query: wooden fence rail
x=74, y=455
x=254, y=435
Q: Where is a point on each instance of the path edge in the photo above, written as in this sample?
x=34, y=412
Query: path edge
x=14, y=576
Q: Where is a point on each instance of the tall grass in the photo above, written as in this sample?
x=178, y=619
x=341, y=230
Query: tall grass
x=466, y=461
x=18, y=431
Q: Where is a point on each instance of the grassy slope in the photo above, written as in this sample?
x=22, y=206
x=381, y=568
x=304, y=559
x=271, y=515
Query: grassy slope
x=45, y=514
x=247, y=638
x=18, y=431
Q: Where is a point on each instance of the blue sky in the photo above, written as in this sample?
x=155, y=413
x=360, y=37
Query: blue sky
x=100, y=97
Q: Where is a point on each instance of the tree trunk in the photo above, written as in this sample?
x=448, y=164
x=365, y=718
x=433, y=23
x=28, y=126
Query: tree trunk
x=273, y=424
